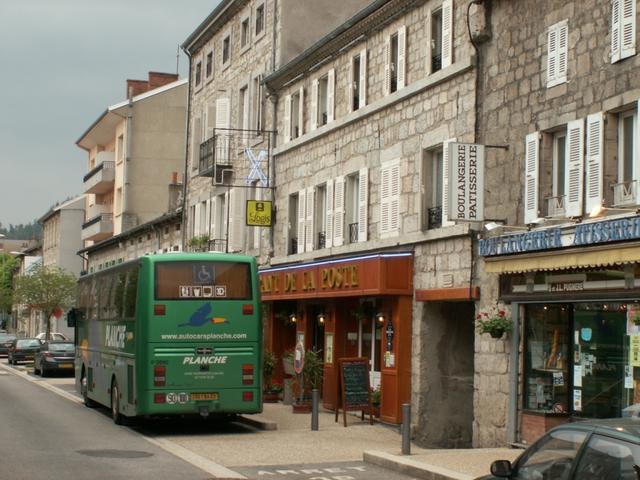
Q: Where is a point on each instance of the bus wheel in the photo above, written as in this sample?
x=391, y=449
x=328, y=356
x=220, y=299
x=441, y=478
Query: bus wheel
x=84, y=390
x=118, y=418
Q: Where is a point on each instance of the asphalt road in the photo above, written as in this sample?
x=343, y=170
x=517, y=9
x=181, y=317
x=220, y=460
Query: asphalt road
x=45, y=436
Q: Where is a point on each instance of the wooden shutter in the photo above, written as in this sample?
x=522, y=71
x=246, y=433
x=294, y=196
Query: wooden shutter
x=363, y=204
x=314, y=104
x=350, y=81
x=552, y=56
x=628, y=28
x=302, y=195
x=563, y=53
x=402, y=54
x=595, y=157
x=210, y=122
x=195, y=143
x=338, y=212
x=445, y=183
x=309, y=238
x=615, y=30
x=329, y=215
x=531, y=160
x=223, y=121
x=331, y=88
x=245, y=110
x=385, y=197
x=362, y=100
x=196, y=220
x=394, y=203
x=287, y=118
x=207, y=217
x=386, y=55
x=575, y=165
x=301, y=113
x=236, y=220
x=447, y=33
x=637, y=153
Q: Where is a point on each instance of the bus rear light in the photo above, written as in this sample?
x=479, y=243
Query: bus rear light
x=159, y=398
x=159, y=376
x=247, y=374
x=247, y=396
x=159, y=309
x=247, y=309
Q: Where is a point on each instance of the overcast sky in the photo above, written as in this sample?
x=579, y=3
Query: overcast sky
x=62, y=62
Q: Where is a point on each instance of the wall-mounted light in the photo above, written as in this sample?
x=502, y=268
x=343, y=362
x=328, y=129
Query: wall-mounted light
x=381, y=317
x=293, y=318
x=321, y=318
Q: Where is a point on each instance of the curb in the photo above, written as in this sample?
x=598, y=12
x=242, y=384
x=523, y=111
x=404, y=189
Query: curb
x=411, y=467
x=259, y=423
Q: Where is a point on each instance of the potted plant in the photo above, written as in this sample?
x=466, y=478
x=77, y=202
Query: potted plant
x=269, y=392
x=495, y=321
x=376, y=396
x=309, y=379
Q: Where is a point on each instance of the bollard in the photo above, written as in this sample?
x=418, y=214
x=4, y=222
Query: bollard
x=314, y=409
x=406, y=429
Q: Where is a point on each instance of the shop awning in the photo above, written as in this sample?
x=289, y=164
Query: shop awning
x=601, y=256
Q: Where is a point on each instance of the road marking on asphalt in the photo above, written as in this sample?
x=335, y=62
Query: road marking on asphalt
x=173, y=448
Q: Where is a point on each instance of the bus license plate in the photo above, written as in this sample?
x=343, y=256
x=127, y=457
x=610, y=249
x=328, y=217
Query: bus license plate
x=204, y=396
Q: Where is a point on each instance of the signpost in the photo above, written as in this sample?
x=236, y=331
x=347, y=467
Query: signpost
x=353, y=387
x=466, y=182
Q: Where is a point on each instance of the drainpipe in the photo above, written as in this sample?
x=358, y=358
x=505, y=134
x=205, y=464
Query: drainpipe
x=274, y=116
x=185, y=179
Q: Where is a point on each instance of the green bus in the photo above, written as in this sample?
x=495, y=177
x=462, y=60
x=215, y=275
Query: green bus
x=170, y=334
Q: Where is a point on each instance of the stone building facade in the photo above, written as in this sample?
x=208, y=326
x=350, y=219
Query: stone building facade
x=230, y=136
x=559, y=86
x=363, y=121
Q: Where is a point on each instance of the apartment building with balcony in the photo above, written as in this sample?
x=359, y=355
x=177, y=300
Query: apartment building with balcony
x=135, y=162
x=560, y=87
x=365, y=256
x=230, y=132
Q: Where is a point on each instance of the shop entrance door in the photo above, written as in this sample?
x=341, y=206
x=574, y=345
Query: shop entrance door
x=370, y=346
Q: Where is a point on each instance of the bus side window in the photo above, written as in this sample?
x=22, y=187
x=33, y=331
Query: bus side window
x=131, y=294
x=92, y=304
x=104, y=294
x=121, y=281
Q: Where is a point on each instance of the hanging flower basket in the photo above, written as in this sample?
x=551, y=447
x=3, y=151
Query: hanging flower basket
x=495, y=321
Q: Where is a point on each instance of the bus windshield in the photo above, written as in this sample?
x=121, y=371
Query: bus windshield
x=215, y=280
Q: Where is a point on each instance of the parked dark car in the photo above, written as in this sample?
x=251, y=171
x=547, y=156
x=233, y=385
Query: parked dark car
x=586, y=450
x=54, y=357
x=5, y=342
x=23, y=349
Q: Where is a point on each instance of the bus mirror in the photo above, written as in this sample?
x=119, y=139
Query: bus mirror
x=73, y=316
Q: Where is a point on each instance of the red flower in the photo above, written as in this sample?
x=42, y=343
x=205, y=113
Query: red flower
x=478, y=317
x=501, y=313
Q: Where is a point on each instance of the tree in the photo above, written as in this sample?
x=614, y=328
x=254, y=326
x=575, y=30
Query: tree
x=47, y=289
x=7, y=263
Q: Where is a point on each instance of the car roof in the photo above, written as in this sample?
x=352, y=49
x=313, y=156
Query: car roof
x=627, y=428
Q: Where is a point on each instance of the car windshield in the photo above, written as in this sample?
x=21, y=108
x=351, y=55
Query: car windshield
x=28, y=342
x=6, y=338
x=61, y=347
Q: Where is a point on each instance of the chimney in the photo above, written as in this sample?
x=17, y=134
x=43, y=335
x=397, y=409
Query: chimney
x=159, y=79
x=136, y=87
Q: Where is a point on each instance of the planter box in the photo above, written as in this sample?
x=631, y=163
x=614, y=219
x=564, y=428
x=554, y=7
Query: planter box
x=269, y=397
x=302, y=407
x=535, y=424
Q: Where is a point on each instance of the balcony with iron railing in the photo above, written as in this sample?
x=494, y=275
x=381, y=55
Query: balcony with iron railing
x=556, y=206
x=434, y=218
x=213, y=245
x=98, y=228
x=625, y=194
x=214, y=156
x=293, y=246
x=322, y=240
x=101, y=178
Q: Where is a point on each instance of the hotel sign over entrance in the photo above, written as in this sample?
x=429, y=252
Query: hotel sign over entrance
x=372, y=275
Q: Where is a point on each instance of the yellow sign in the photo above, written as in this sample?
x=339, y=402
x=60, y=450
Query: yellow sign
x=634, y=350
x=259, y=213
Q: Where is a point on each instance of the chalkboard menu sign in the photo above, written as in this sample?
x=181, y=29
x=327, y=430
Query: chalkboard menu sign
x=353, y=387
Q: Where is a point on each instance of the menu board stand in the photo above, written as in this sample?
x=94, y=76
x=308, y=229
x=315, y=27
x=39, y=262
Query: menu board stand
x=353, y=387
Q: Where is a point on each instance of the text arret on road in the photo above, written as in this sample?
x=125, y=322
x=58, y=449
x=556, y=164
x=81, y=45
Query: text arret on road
x=466, y=182
x=327, y=471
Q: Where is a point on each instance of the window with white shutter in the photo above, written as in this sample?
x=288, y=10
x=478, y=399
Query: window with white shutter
x=386, y=56
x=594, y=162
x=394, y=54
x=363, y=204
x=431, y=187
x=196, y=219
x=236, y=219
x=287, y=118
x=329, y=216
x=196, y=134
x=447, y=33
x=331, y=88
x=358, y=81
x=557, y=201
x=292, y=234
x=223, y=123
x=338, y=211
x=623, y=29
x=557, y=54
x=314, y=104
x=626, y=191
x=401, y=64
x=390, y=198
x=531, y=160
x=445, y=183
x=575, y=166
x=309, y=237
x=321, y=217
x=302, y=203
x=300, y=123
